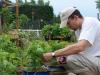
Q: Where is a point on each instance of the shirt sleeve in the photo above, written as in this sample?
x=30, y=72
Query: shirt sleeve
x=88, y=33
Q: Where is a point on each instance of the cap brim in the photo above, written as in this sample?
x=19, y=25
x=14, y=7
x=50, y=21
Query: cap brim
x=63, y=23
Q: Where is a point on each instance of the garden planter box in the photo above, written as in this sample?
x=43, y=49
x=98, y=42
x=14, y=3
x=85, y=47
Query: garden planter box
x=55, y=38
x=52, y=70
x=57, y=70
x=58, y=73
x=36, y=73
x=45, y=73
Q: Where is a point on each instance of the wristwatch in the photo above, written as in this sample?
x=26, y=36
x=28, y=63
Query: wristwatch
x=53, y=54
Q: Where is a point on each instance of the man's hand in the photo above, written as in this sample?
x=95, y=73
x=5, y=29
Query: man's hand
x=47, y=56
x=61, y=60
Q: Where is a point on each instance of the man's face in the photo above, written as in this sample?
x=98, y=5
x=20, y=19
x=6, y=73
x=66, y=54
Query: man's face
x=73, y=23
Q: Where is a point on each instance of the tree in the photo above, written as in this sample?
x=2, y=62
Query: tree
x=40, y=2
x=20, y=2
x=34, y=14
x=98, y=5
x=56, y=19
x=47, y=3
x=33, y=2
x=8, y=19
x=25, y=1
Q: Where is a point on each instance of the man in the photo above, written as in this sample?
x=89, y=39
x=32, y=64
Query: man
x=83, y=57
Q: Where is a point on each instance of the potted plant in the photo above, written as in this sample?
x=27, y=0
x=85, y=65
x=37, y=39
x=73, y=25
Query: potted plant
x=47, y=32
x=33, y=59
x=53, y=32
x=35, y=62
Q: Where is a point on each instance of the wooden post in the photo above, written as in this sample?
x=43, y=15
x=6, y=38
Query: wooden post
x=17, y=15
x=0, y=25
x=17, y=20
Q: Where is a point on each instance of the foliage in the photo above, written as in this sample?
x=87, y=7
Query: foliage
x=55, y=31
x=55, y=45
x=7, y=15
x=56, y=19
x=20, y=2
x=30, y=35
x=36, y=11
x=6, y=45
x=8, y=56
x=65, y=31
x=33, y=2
x=6, y=66
x=8, y=19
x=29, y=57
x=35, y=51
x=23, y=19
x=40, y=2
x=47, y=30
x=98, y=4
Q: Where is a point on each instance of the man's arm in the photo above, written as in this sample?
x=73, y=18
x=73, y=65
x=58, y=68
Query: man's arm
x=73, y=49
x=69, y=50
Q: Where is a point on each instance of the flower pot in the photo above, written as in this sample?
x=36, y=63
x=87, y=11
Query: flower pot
x=36, y=73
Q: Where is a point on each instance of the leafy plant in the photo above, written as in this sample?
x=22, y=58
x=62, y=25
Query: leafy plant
x=35, y=52
x=29, y=58
x=55, y=45
x=7, y=67
x=65, y=31
x=56, y=30
x=6, y=44
x=47, y=30
x=53, y=31
x=8, y=19
x=8, y=56
x=23, y=19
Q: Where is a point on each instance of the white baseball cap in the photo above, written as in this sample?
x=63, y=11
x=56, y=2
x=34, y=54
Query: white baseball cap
x=64, y=15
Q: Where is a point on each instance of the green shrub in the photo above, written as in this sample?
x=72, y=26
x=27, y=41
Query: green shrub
x=53, y=31
x=35, y=52
x=30, y=57
x=8, y=56
x=55, y=45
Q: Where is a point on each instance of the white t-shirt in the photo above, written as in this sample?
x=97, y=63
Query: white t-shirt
x=90, y=31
